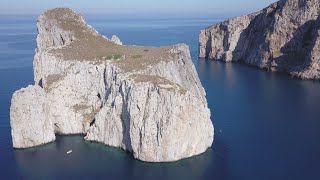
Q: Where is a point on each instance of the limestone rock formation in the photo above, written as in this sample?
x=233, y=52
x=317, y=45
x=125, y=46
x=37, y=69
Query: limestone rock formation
x=147, y=100
x=29, y=118
x=282, y=37
x=116, y=40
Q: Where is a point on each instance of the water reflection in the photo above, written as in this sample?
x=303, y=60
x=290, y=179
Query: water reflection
x=269, y=121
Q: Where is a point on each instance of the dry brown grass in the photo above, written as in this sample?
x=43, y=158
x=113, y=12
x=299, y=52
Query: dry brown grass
x=90, y=46
x=51, y=79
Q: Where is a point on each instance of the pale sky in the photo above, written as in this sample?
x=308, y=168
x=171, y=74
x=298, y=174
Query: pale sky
x=136, y=7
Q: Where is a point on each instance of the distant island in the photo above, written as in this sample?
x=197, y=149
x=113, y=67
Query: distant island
x=284, y=36
x=146, y=100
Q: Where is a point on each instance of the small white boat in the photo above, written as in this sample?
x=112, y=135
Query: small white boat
x=69, y=152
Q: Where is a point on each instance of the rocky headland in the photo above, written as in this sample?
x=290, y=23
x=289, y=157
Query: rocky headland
x=146, y=100
x=284, y=36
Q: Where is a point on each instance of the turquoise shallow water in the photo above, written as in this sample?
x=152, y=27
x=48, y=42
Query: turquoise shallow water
x=267, y=125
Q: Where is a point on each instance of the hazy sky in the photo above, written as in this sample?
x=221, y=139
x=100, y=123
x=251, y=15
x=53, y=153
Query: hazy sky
x=136, y=7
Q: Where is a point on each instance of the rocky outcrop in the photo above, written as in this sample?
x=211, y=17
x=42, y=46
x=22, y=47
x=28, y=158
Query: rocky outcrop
x=29, y=118
x=116, y=40
x=282, y=37
x=146, y=100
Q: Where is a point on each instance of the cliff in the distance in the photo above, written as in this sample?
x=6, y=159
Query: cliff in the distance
x=147, y=100
x=285, y=36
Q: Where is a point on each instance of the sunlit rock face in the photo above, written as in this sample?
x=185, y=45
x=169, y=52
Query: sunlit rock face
x=282, y=37
x=29, y=118
x=146, y=100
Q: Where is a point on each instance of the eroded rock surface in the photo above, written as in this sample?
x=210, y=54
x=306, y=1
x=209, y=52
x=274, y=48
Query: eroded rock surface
x=29, y=118
x=147, y=100
x=282, y=37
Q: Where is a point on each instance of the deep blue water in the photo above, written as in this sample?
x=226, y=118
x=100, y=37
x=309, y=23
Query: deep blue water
x=267, y=125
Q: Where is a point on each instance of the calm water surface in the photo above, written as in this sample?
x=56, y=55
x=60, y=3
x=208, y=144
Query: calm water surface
x=267, y=125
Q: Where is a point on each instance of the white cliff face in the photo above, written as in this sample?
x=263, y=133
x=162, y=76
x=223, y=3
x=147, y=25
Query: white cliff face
x=116, y=40
x=75, y=97
x=145, y=100
x=220, y=41
x=29, y=118
x=281, y=37
x=143, y=113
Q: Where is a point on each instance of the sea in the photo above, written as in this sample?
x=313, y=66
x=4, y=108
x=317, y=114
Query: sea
x=267, y=124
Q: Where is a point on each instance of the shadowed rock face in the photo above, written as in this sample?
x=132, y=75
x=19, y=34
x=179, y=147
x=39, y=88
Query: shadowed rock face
x=282, y=37
x=147, y=100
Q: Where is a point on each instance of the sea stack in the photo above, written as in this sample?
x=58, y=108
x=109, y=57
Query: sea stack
x=146, y=100
x=282, y=37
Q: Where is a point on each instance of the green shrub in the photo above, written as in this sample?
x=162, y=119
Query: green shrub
x=112, y=57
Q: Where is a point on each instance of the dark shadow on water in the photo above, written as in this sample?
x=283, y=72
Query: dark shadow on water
x=93, y=160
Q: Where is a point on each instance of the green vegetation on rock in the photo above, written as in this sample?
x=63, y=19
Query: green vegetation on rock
x=112, y=57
